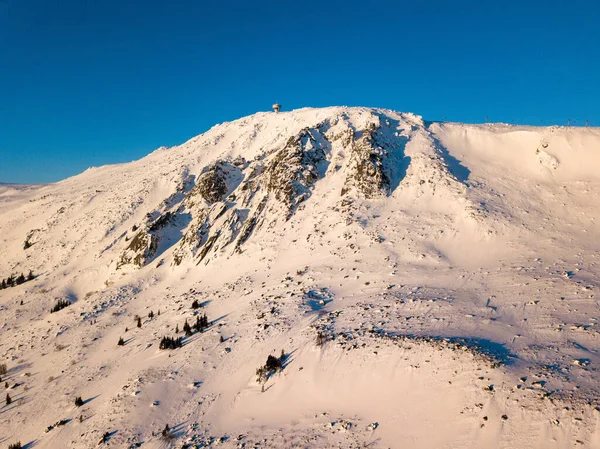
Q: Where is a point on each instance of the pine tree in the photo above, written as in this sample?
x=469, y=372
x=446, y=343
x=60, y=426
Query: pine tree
x=121, y=342
x=78, y=401
x=273, y=364
x=8, y=399
x=139, y=323
x=20, y=279
x=30, y=275
x=177, y=328
x=187, y=329
x=320, y=339
x=195, y=304
x=170, y=343
x=151, y=314
x=221, y=339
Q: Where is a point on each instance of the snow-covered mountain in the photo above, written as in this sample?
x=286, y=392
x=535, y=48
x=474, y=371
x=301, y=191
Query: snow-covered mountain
x=422, y=284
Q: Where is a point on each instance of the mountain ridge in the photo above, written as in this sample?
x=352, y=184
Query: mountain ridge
x=340, y=235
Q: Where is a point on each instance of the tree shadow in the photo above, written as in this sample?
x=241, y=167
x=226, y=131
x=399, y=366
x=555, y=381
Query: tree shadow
x=212, y=323
x=12, y=372
x=107, y=436
x=90, y=399
x=15, y=402
x=178, y=430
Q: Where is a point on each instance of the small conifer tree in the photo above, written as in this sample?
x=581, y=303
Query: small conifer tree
x=78, y=401
x=121, y=342
x=187, y=329
x=151, y=314
x=8, y=399
x=139, y=323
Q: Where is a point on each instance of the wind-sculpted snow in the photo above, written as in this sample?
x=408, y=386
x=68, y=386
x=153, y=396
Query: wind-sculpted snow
x=368, y=279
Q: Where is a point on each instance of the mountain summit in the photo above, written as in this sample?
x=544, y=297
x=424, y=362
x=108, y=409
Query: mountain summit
x=320, y=277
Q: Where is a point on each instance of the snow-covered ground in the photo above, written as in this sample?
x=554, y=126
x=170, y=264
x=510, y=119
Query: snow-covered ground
x=423, y=285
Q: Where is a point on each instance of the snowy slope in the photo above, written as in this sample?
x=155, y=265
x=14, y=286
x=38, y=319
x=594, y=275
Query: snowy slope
x=430, y=284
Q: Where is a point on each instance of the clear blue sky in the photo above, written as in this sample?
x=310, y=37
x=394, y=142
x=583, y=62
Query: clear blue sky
x=90, y=82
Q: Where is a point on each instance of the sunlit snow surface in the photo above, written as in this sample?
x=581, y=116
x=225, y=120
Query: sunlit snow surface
x=450, y=269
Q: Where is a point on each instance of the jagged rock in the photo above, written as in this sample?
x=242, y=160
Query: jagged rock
x=142, y=247
x=290, y=175
x=216, y=181
x=368, y=172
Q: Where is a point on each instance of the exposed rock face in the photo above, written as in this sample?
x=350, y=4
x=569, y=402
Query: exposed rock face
x=287, y=176
x=141, y=249
x=368, y=173
x=144, y=245
x=290, y=175
x=212, y=184
x=234, y=199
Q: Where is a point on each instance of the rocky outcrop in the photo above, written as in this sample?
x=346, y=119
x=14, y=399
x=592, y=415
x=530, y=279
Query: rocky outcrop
x=144, y=245
x=290, y=175
x=367, y=173
x=216, y=181
x=141, y=249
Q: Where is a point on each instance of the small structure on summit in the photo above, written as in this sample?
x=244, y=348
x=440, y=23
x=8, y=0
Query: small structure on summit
x=276, y=107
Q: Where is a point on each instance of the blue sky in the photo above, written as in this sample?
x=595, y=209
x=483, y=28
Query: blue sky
x=91, y=82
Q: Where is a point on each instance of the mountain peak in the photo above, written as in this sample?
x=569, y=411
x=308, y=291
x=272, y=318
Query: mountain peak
x=391, y=258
